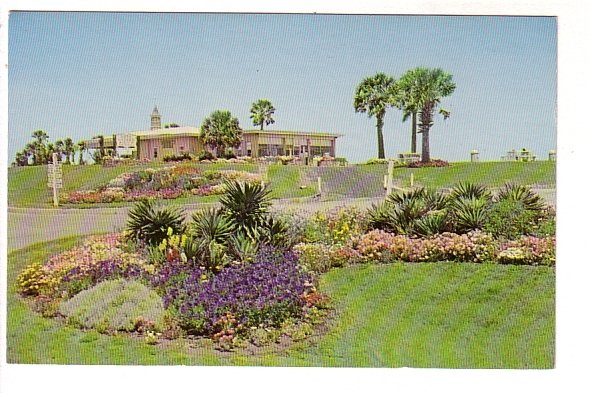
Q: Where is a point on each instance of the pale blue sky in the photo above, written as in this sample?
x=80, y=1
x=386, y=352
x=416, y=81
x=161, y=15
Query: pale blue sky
x=81, y=74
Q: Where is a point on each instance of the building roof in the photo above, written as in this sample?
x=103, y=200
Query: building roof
x=172, y=131
x=284, y=132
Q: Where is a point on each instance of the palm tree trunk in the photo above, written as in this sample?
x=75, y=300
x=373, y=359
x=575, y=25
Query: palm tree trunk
x=425, y=124
x=414, y=132
x=380, y=145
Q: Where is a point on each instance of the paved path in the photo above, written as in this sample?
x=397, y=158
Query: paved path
x=32, y=225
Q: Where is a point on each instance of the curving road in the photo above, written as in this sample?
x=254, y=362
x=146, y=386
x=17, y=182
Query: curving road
x=27, y=226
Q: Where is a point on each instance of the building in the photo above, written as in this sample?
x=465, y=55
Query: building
x=157, y=142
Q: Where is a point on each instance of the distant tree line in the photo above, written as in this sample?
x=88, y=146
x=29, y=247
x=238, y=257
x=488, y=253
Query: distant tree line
x=40, y=151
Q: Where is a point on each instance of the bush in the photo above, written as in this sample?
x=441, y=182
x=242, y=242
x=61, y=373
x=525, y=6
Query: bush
x=510, y=219
x=320, y=257
x=336, y=226
x=429, y=164
x=115, y=305
x=206, y=155
x=148, y=224
x=179, y=157
x=470, y=213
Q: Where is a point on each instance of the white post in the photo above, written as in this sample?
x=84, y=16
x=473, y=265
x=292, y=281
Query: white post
x=319, y=185
x=412, y=179
x=389, y=177
x=385, y=182
x=55, y=169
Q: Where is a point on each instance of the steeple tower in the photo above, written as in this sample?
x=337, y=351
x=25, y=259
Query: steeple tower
x=156, y=119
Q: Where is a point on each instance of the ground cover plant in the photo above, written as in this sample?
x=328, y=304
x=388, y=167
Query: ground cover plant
x=241, y=276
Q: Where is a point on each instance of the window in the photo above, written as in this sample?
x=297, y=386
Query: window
x=167, y=143
x=155, y=152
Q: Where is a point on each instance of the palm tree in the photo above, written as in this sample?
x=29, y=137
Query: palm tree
x=40, y=153
x=81, y=149
x=261, y=113
x=408, y=102
x=431, y=86
x=31, y=151
x=69, y=150
x=220, y=130
x=374, y=95
x=59, y=148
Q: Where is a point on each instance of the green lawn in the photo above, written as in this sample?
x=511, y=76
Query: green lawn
x=27, y=186
x=446, y=315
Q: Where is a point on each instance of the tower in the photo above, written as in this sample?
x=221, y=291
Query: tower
x=156, y=119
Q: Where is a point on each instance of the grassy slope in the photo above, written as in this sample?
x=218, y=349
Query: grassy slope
x=27, y=185
x=418, y=315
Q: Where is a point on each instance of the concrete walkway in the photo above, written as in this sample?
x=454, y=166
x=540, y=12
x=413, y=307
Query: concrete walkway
x=27, y=226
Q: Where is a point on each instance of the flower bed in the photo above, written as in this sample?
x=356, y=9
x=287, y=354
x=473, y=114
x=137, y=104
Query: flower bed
x=163, y=183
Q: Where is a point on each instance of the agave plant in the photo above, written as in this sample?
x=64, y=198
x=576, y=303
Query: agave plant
x=470, y=191
x=211, y=225
x=379, y=216
x=149, y=224
x=242, y=247
x=520, y=193
x=403, y=197
x=245, y=204
x=469, y=214
x=433, y=222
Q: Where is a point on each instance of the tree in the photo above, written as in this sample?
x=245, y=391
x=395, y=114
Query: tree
x=431, y=86
x=59, y=148
x=31, y=151
x=40, y=137
x=69, y=150
x=171, y=125
x=81, y=149
x=220, y=130
x=408, y=102
x=21, y=158
x=261, y=113
x=374, y=95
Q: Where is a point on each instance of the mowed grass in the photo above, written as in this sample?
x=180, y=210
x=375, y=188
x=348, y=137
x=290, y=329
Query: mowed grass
x=27, y=186
x=444, y=315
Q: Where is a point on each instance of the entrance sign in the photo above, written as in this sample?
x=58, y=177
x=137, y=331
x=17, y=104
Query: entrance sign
x=55, y=178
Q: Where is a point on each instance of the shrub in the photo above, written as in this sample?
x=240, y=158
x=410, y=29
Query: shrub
x=265, y=292
x=320, y=257
x=509, y=219
x=115, y=305
x=429, y=164
x=206, y=155
x=336, y=226
x=148, y=224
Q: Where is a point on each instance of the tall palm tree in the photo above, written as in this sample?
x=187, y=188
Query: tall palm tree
x=431, y=86
x=220, y=130
x=261, y=113
x=408, y=102
x=374, y=95
x=69, y=150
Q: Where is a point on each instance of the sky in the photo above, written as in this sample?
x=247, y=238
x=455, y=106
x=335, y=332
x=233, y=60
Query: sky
x=82, y=74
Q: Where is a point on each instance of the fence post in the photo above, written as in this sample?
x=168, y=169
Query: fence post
x=389, y=177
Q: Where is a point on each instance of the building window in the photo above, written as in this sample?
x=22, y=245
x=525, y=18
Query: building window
x=155, y=152
x=181, y=148
x=167, y=143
